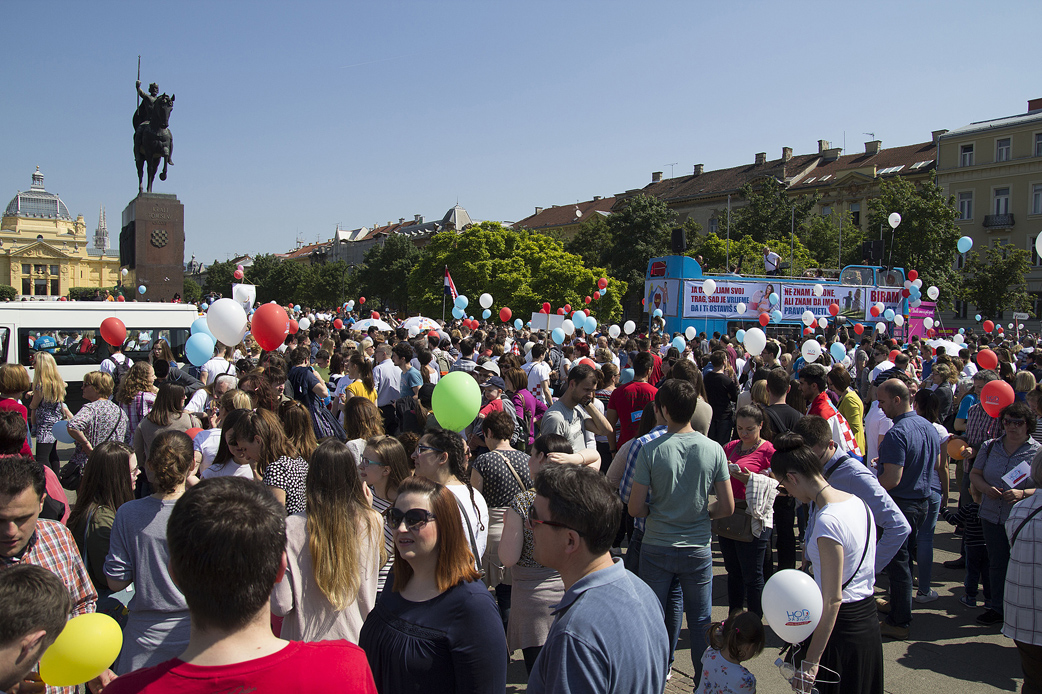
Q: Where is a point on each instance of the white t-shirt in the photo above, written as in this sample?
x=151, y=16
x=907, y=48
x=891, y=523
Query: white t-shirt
x=478, y=518
x=880, y=368
x=848, y=523
x=876, y=425
x=206, y=444
x=539, y=372
x=969, y=370
x=943, y=434
x=227, y=469
x=770, y=261
x=197, y=403
x=109, y=367
x=215, y=367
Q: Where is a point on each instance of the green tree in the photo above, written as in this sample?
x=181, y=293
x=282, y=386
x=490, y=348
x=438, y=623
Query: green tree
x=384, y=274
x=926, y=239
x=7, y=292
x=219, y=278
x=749, y=252
x=593, y=243
x=997, y=282
x=520, y=269
x=640, y=231
x=825, y=238
x=193, y=293
x=769, y=212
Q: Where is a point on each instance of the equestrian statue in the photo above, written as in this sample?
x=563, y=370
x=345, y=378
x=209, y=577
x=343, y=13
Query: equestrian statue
x=152, y=138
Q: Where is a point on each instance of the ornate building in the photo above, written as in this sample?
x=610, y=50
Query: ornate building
x=44, y=252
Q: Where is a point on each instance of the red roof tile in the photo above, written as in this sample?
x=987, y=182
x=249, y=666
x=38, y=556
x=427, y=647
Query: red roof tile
x=711, y=183
x=906, y=157
x=563, y=215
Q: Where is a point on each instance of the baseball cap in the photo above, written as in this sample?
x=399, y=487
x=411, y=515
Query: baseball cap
x=491, y=367
x=494, y=382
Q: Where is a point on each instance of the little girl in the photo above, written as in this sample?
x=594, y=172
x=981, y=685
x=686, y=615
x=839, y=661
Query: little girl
x=739, y=638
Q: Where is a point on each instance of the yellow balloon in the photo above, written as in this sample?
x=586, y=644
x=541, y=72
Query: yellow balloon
x=88, y=645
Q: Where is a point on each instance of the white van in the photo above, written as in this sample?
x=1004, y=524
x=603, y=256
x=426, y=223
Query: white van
x=70, y=331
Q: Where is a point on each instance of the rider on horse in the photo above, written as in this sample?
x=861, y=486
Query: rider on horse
x=143, y=114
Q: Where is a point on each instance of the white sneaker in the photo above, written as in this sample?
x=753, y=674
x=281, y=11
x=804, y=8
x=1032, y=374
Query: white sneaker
x=926, y=597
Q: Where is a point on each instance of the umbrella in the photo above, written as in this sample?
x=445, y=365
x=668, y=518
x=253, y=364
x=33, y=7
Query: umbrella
x=364, y=325
x=949, y=346
x=422, y=322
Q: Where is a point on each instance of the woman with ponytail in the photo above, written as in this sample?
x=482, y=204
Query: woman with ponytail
x=334, y=553
x=158, y=626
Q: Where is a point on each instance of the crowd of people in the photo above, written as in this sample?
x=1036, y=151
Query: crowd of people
x=300, y=519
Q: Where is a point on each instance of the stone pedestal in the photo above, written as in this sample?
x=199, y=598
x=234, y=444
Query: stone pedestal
x=152, y=246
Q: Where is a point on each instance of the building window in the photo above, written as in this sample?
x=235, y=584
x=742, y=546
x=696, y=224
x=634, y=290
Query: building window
x=855, y=213
x=27, y=285
x=26, y=268
x=40, y=287
x=55, y=291
x=1002, y=149
x=960, y=309
x=1001, y=201
x=1036, y=261
x=826, y=211
x=714, y=225
x=1038, y=144
x=1037, y=303
x=966, y=205
x=55, y=270
x=960, y=261
x=966, y=155
x=1036, y=198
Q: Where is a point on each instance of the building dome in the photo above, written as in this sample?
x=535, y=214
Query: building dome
x=456, y=218
x=37, y=203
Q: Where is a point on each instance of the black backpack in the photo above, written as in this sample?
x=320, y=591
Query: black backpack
x=120, y=370
x=519, y=439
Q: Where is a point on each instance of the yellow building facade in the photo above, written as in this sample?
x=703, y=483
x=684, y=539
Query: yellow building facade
x=44, y=252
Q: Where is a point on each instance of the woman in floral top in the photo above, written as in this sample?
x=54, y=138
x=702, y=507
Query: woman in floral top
x=99, y=420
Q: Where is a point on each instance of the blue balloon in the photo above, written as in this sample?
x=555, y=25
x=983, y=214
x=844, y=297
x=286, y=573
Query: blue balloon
x=529, y=324
x=199, y=348
x=142, y=289
x=680, y=343
x=485, y=314
x=557, y=335
x=578, y=317
x=977, y=318
x=657, y=313
x=962, y=331
x=457, y=313
x=61, y=431
x=518, y=324
x=773, y=298
x=296, y=307
x=591, y=324
x=965, y=244
x=740, y=335
x=461, y=301
x=199, y=326
x=776, y=316
x=626, y=376
x=837, y=351
x=888, y=314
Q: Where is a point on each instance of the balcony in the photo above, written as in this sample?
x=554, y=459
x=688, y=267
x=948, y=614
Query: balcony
x=998, y=221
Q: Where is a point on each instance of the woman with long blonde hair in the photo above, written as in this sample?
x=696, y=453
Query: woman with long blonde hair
x=334, y=552
x=384, y=465
x=47, y=407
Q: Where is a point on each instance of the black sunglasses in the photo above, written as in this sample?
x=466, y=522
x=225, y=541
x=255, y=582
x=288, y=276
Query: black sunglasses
x=415, y=518
x=533, y=520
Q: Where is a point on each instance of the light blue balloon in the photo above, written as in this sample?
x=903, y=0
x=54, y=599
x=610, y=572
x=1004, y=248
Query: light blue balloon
x=518, y=324
x=61, y=431
x=578, y=317
x=965, y=244
x=461, y=301
x=557, y=335
x=837, y=351
x=457, y=313
x=199, y=326
x=773, y=298
x=977, y=318
x=142, y=289
x=626, y=376
x=296, y=307
x=199, y=348
x=657, y=313
x=776, y=316
x=485, y=314
x=962, y=331
x=679, y=343
x=740, y=335
x=591, y=324
x=888, y=314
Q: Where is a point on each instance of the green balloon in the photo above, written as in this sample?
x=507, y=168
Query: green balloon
x=456, y=400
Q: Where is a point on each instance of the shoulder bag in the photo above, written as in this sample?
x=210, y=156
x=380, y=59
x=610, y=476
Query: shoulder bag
x=520, y=484
x=739, y=525
x=473, y=539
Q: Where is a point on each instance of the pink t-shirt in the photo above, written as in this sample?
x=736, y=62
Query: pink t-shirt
x=754, y=461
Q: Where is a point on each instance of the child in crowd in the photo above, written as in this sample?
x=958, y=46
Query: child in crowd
x=976, y=550
x=731, y=642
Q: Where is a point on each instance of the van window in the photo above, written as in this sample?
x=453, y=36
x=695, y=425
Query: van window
x=84, y=346
x=5, y=336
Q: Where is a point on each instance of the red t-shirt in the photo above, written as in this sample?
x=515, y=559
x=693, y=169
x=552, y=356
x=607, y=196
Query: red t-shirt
x=12, y=404
x=329, y=667
x=756, y=461
x=629, y=402
x=656, y=371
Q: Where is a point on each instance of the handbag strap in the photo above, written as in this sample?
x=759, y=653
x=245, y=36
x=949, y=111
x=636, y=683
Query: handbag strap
x=832, y=468
x=864, y=551
x=86, y=532
x=470, y=532
x=1013, y=538
x=512, y=471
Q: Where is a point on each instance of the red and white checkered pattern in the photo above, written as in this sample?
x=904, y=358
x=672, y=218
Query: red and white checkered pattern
x=841, y=433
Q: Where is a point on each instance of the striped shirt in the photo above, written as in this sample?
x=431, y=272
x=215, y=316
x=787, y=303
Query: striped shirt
x=626, y=484
x=1023, y=594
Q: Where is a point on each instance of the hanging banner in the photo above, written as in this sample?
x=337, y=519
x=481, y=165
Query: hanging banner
x=890, y=298
x=916, y=314
x=797, y=298
x=728, y=294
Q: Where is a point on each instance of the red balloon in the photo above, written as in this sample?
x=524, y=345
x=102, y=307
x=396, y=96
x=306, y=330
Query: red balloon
x=834, y=309
x=193, y=431
x=586, y=311
x=807, y=331
x=602, y=283
x=374, y=315
x=338, y=324
x=361, y=299
x=237, y=274
x=504, y=314
x=931, y=333
x=546, y=307
x=560, y=311
x=588, y=362
x=764, y=319
x=596, y=296
x=988, y=326
x=567, y=308
x=63, y=299
x=986, y=359
x=913, y=275
x=269, y=326
x=858, y=328
x=874, y=311
x=433, y=333
x=996, y=396
x=118, y=298
x=905, y=293
x=113, y=331
x=587, y=299
x=893, y=354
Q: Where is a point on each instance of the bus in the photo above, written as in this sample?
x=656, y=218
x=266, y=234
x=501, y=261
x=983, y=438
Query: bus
x=70, y=332
x=675, y=283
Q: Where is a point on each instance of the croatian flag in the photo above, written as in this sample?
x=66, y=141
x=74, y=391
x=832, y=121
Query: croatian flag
x=450, y=288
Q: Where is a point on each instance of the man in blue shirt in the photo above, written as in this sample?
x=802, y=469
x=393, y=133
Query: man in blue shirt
x=609, y=634
x=907, y=454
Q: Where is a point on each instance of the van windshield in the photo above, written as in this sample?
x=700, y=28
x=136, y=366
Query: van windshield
x=84, y=346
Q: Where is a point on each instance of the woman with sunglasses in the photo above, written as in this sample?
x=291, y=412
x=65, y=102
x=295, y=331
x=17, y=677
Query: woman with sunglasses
x=437, y=630
x=383, y=466
x=995, y=459
x=441, y=456
x=334, y=551
x=536, y=590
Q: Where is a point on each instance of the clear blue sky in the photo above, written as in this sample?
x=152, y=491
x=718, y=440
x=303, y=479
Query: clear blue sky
x=292, y=117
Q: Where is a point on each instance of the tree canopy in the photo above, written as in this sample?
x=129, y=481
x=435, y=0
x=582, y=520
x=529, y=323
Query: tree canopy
x=384, y=274
x=997, y=283
x=769, y=212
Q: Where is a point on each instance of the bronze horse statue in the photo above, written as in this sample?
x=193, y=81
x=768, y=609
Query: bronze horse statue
x=153, y=141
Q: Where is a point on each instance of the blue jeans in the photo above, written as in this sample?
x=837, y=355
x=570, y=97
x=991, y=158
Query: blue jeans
x=744, y=564
x=675, y=611
x=998, y=561
x=900, y=567
x=693, y=566
x=924, y=543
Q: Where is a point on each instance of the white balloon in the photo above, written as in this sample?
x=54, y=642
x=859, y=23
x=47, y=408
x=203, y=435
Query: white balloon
x=226, y=320
x=823, y=322
x=568, y=327
x=899, y=320
x=916, y=303
x=933, y=293
x=894, y=219
x=928, y=322
x=1010, y=326
x=485, y=300
x=908, y=284
x=690, y=333
x=808, y=318
x=709, y=286
x=304, y=323
x=818, y=290
x=740, y=308
x=1038, y=244
x=628, y=327
x=918, y=283
x=792, y=604
x=1020, y=327
x=880, y=327
x=755, y=341
x=958, y=339
x=414, y=331
x=614, y=331
x=811, y=350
